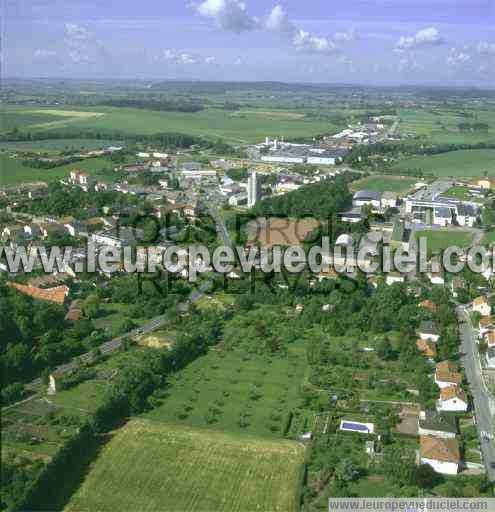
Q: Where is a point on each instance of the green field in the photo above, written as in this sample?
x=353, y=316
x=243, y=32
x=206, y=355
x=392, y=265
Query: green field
x=148, y=466
x=12, y=171
x=489, y=238
x=462, y=163
x=234, y=391
x=441, y=126
x=252, y=125
x=441, y=239
x=399, y=184
x=56, y=145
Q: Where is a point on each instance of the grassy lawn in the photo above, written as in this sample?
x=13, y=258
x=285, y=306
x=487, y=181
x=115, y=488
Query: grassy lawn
x=461, y=193
x=233, y=391
x=12, y=171
x=462, y=163
x=150, y=466
x=441, y=239
x=489, y=238
x=399, y=184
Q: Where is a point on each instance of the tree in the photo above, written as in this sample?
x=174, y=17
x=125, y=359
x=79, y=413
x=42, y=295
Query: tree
x=91, y=306
x=426, y=477
x=385, y=350
x=346, y=471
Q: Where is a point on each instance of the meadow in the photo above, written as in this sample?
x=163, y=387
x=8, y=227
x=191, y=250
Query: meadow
x=398, y=184
x=441, y=239
x=149, y=466
x=57, y=145
x=441, y=126
x=234, y=391
x=462, y=163
x=234, y=127
x=12, y=170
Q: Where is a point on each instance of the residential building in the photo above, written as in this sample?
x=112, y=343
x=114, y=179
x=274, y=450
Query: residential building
x=485, y=325
x=57, y=294
x=447, y=375
x=452, y=399
x=429, y=305
x=429, y=331
x=482, y=306
x=437, y=424
x=443, y=455
x=427, y=348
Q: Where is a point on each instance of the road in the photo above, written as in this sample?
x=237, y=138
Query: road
x=484, y=406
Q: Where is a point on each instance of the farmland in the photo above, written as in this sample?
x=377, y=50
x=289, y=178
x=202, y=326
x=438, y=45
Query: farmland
x=441, y=239
x=462, y=163
x=398, y=184
x=440, y=126
x=234, y=391
x=12, y=170
x=238, y=127
x=151, y=466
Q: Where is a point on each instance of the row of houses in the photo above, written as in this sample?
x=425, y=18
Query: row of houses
x=438, y=428
x=486, y=328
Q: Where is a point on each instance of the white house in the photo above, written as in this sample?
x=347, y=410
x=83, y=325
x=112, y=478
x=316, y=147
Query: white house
x=485, y=325
x=442, y=455
x=482, y=306
x=428, y=331
x=446, y=375
x=452, y=399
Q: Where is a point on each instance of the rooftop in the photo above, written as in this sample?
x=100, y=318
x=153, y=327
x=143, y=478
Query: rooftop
x=56, y=294
x=446, y=450
x=433, y=420
x=446, y=371
x=364, y=195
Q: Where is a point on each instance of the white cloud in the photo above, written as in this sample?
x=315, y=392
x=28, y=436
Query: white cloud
x=306, y=42
x=82, y=46
x=426, y=37
x=351, y=35
x=457, y=57
x=183, y=58
x=485, y=48
x=278, y=22
x=41, y=53
x=227, y=14
x=77, y=32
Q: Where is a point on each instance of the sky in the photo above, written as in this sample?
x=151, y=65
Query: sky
x=369, y=42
